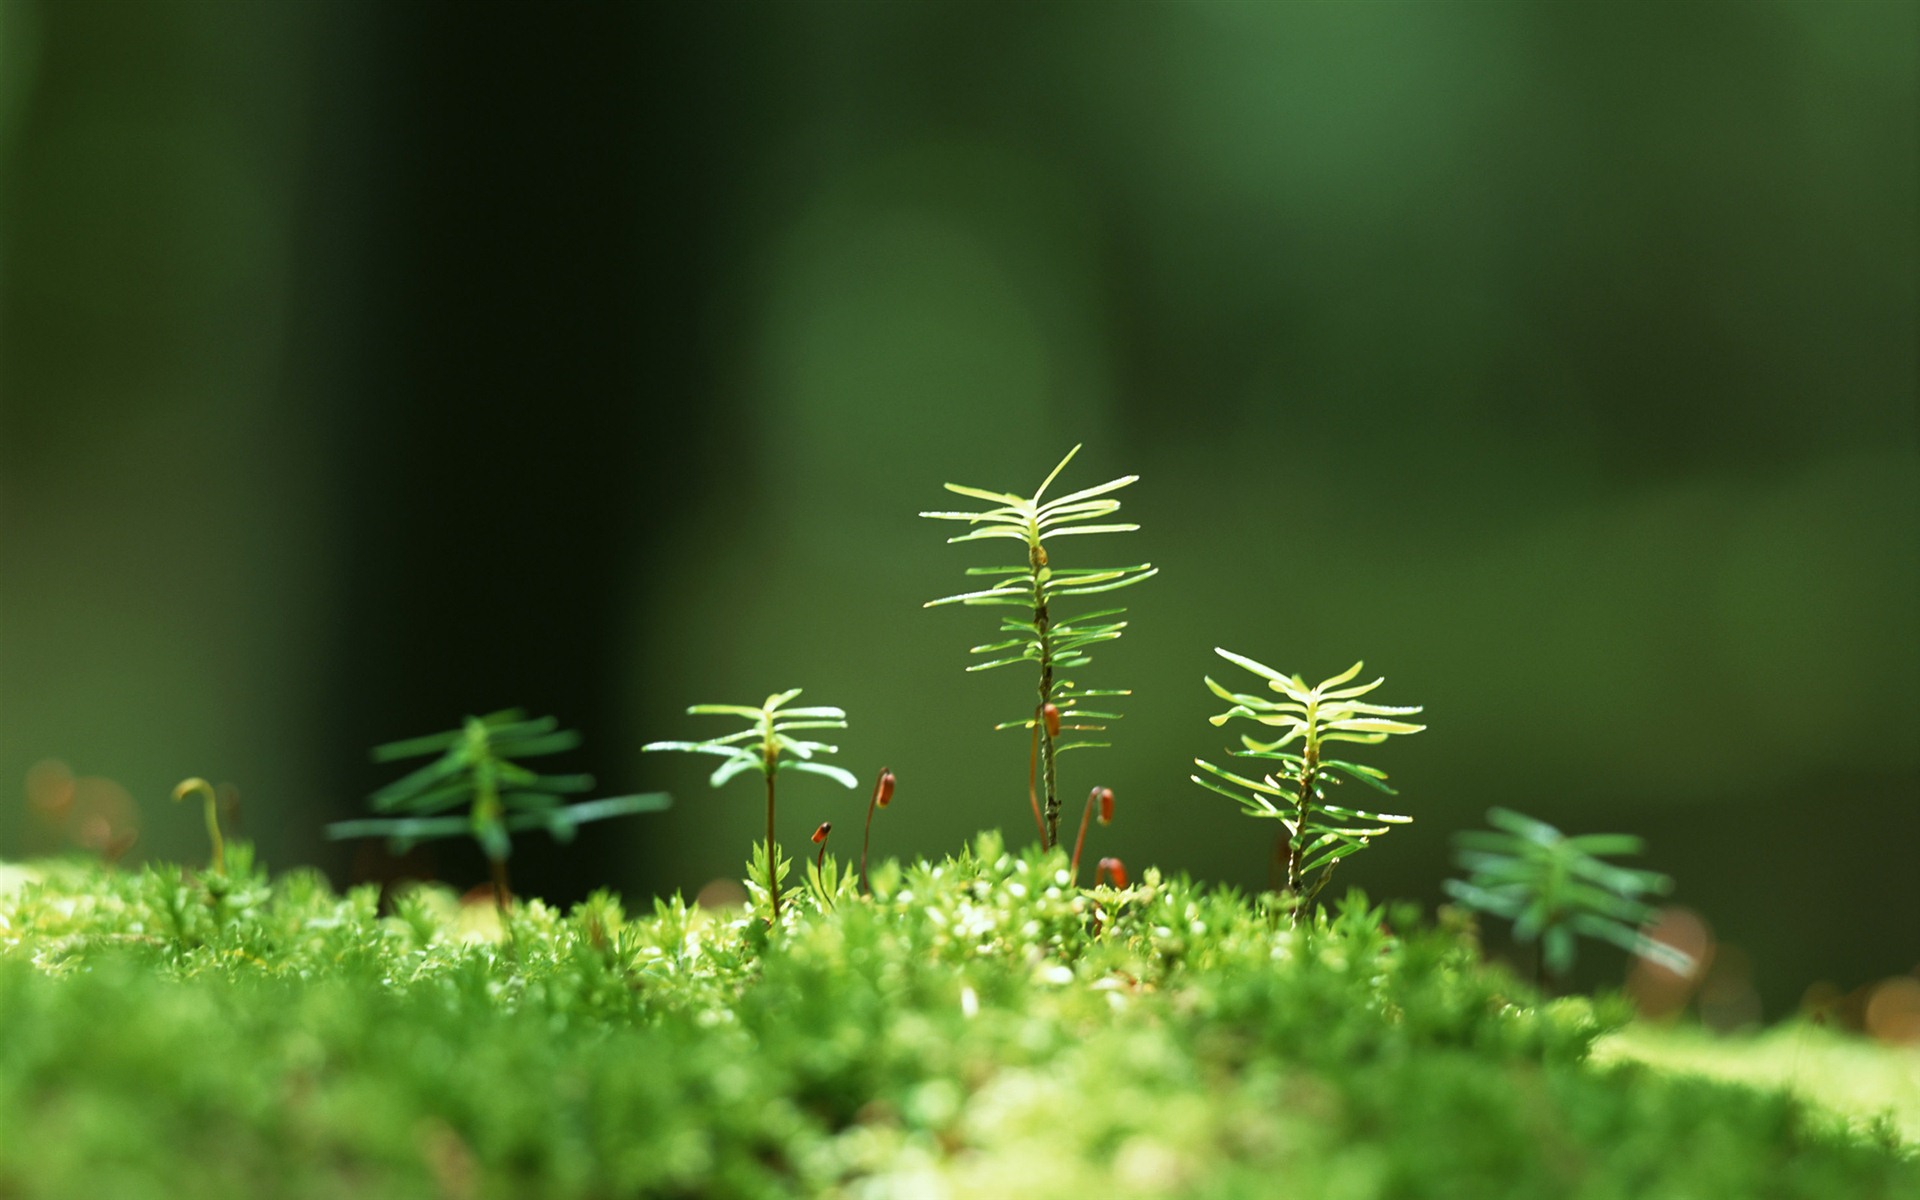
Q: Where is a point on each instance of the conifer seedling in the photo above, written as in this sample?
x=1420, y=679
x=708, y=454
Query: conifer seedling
x=1040, y=635
x=475, y=767
x=765, y=746
x=1554, y=887
x=1318, y=834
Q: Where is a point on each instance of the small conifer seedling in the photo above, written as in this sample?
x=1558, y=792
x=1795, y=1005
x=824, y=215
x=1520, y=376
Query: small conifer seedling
x=1040, y=635
x=1318, y=835
x=474, y=767
x=1554, y=887
x=766, y=746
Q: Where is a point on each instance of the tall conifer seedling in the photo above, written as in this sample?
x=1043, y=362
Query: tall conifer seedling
x=1040, y=634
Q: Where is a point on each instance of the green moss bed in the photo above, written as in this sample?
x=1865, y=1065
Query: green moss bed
x=976, y=1028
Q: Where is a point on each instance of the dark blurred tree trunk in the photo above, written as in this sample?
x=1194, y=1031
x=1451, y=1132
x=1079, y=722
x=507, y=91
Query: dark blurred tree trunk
x=525, y=196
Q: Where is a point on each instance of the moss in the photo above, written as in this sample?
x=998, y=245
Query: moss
x=1876, y=1088
x=975, y=1029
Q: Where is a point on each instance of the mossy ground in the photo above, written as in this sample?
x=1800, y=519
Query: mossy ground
x=977, y=1028
x=1874, y=1086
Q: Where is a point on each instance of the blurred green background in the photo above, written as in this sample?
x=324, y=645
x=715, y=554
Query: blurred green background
x=364, y=365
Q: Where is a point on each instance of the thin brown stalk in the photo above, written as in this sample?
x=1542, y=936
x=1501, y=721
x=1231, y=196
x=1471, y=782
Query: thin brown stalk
x=882, y=796
x=1042, y=624
x=773, y=852
x=1033, y=776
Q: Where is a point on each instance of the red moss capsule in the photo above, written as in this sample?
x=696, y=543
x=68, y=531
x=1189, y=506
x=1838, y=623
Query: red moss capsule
x=1106, y=806
x=1113, y=869
x=820, y=834
x=883, y=789
x=1052, y=714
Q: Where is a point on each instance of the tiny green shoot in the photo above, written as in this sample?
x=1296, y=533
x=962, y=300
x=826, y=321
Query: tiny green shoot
x=210, y=807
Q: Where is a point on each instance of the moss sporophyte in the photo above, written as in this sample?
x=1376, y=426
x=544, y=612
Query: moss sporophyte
x=882, y=796
x=210, y=811
x=1100, y=798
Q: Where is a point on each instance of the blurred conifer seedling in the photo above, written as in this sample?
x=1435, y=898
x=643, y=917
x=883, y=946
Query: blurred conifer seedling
x=1318, y=835
x=1554, y=887
x=475, y=768
x=1039, y=634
